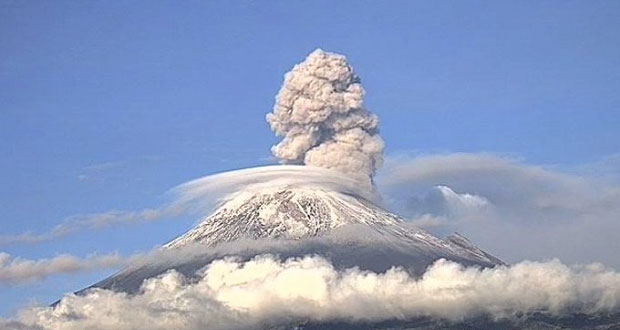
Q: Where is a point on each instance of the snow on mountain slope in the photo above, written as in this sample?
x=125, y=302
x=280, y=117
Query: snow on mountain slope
x=281, y=213
x=292, y=212
x=294, y=220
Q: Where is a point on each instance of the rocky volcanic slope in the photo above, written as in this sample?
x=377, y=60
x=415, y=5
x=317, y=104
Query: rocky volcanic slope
x=298, y=213
x=293, y=221
x=348, y=230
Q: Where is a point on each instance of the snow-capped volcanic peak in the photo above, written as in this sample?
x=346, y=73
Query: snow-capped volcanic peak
x=284, y=212
x=297, y=212
x=295, y=220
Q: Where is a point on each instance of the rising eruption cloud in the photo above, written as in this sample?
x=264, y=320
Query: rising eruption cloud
x=320, y=114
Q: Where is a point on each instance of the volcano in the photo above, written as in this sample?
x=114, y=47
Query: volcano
x=294, y=213
x=290, y=221
x=293, y=221
x=320, y=203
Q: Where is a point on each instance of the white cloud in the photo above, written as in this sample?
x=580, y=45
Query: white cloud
x=463, y=202
x=532, y=211
x=219, y=186
x=93, y=221
x=441, y=207
x=19, y=270
x=266, y=291
x=199, y=196
x=512, y=209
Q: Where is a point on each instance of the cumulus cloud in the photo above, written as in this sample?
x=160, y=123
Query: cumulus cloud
x=320, y=114
x=266, y=291
x=530, y=211
x=19, y=270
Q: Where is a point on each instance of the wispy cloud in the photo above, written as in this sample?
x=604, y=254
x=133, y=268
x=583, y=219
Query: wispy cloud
x=538, y=212
x=19, y=270
x=198, y=197
x=95, y=171
x=104, y=166
x=531, y=211
x=93, y=221
x=117, y=169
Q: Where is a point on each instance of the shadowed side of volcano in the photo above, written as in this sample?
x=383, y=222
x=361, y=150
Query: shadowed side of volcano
x=349, y=246
x=290, y=222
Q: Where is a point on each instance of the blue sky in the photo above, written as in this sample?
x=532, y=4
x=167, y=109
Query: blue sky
x=106, y=106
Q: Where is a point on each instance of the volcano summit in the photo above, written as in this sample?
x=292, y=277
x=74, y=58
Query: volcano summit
x=293, y=221
x=308, y=244
x=328, y=134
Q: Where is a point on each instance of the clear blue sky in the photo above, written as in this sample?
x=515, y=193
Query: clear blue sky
x=106, y=105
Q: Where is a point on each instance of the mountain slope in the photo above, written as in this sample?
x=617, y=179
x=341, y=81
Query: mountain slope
x=295, y=221
x=297, y=213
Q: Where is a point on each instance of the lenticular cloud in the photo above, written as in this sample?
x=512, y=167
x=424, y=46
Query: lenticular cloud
x=266, y=291
x=319, y=112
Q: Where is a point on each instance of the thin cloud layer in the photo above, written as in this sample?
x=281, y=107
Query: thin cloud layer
x=441, y=206
x=265, y=291
x=95, y=221
x=218, y=187
x=537, y=212
x=19, y=270
x=530, y=212
x=442, y=200
x=199, y=196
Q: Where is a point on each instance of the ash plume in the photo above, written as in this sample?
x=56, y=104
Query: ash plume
x=320, y=114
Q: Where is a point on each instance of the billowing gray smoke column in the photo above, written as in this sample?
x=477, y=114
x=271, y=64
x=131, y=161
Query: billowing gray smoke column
x=320, y=113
